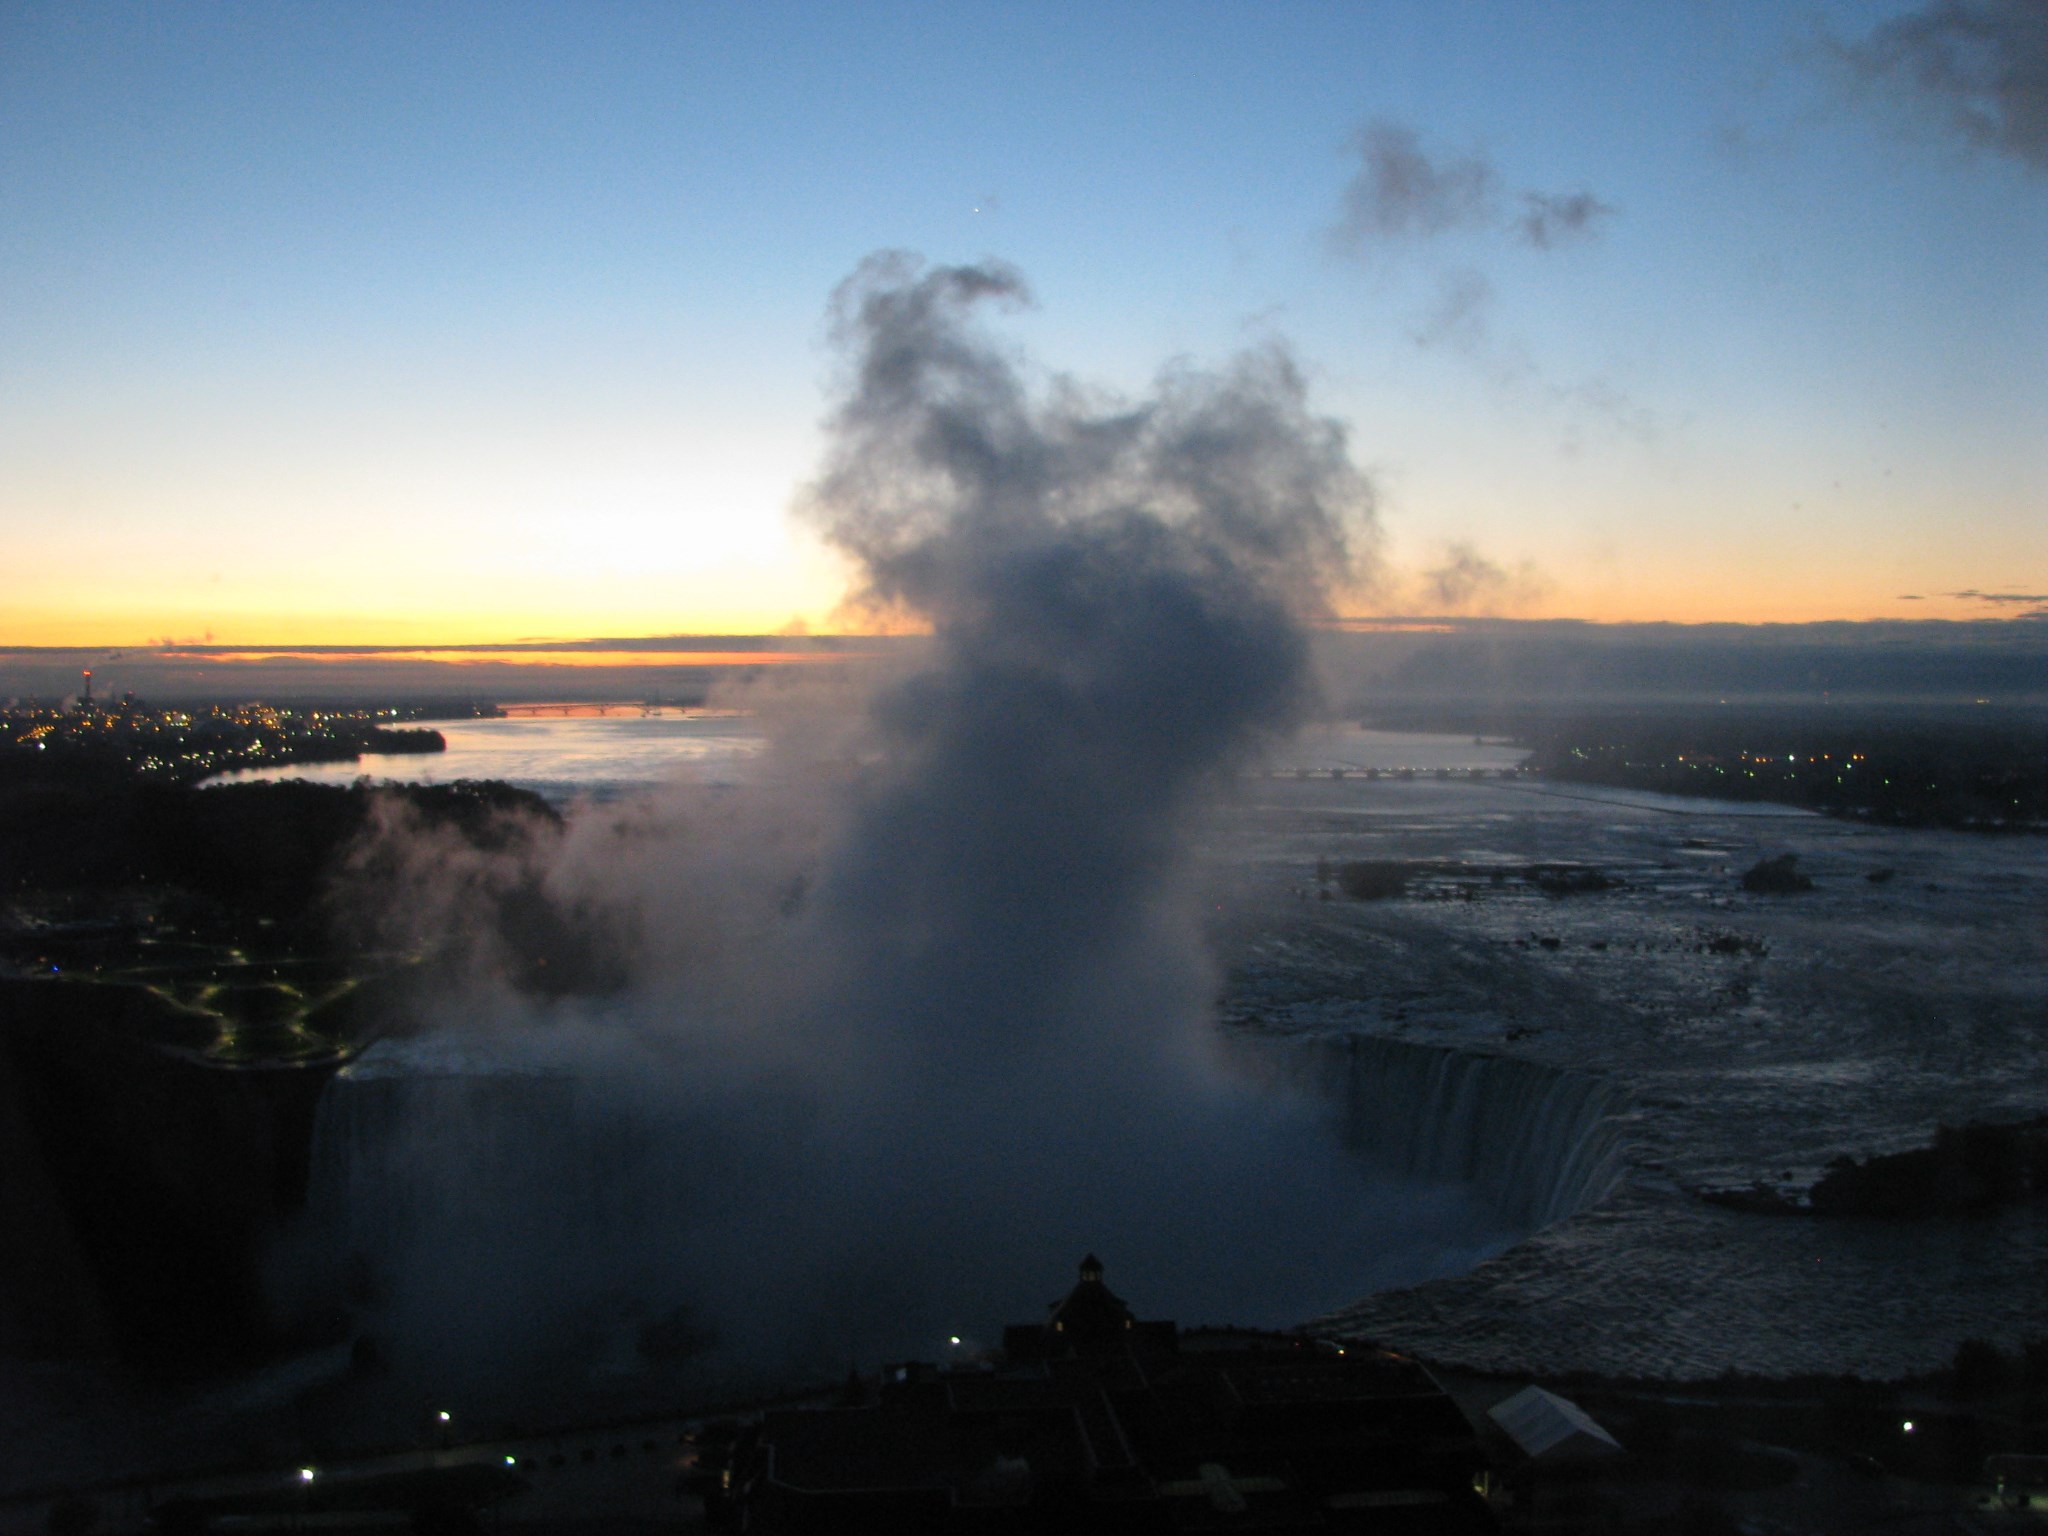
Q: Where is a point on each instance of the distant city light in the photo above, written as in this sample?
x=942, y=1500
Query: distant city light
x=305, y=1474
x=442, y=1415
x=1907, y=1426
x=953, y=1339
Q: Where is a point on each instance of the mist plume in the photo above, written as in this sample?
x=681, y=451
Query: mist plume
x=1468, y=582
x=1117, y=596
x=924, y=1006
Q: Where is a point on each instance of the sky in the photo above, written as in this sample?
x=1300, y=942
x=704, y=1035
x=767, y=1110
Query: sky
x=453, y=324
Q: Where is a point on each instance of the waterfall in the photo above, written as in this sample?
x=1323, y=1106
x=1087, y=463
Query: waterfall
x=1537, y=1142
x=439, y=1172
x=468, y=1205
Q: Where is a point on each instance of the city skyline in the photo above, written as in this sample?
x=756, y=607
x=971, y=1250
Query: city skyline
x=480, y=325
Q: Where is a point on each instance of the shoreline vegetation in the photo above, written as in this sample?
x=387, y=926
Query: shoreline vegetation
x=1965, y=1170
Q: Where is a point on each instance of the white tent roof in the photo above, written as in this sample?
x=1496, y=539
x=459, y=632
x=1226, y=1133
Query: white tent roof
x=1552, y=1428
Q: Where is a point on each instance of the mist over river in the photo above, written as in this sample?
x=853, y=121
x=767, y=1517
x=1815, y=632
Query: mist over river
x=1848, y=1020
x=600, y=751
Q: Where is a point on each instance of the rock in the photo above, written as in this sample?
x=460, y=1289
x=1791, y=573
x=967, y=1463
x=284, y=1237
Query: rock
x=1776, y=877
x=1374, y=879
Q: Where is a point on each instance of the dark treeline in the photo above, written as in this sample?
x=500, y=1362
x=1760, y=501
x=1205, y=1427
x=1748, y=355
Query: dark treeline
x=268, y=850
x=1967, y=1168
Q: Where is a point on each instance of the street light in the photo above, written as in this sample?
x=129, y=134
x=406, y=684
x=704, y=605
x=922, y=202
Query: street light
x=437, y=1436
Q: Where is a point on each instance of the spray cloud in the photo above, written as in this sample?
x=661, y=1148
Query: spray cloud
x=923, y=1008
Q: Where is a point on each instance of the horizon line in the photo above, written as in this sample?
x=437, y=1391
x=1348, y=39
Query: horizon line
x=761, y=641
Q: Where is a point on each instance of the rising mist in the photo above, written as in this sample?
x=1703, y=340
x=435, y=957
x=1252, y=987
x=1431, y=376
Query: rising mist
x=922, y=1010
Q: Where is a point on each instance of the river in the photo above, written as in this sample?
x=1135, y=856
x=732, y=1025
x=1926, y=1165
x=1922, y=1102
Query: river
x=582, y=753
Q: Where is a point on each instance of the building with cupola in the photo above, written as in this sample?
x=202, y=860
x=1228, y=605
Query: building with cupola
x=1097, y=1420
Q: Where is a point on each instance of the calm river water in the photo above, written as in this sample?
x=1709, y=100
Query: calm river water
x=560, y=757
x=563, y=757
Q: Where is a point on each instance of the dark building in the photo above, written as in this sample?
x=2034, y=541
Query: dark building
x=1095, y=1420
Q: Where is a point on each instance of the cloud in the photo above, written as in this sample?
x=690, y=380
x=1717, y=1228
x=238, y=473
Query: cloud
x=1404, y=194
x=1468, y=582
x=1400, y=192
x=1602, y=400
x=1549, y=219
x=1460, y=316
x=2026, y=605
x=1460, y=320
x=1981, y=65
x=2000, y=597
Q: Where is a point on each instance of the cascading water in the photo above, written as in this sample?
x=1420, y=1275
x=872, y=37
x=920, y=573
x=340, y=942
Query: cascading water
x=442, y=1171
x=408, y=1139
x=421, y=1148
x=468, y=1204
x=1541, y=1143
x=1536, y=1142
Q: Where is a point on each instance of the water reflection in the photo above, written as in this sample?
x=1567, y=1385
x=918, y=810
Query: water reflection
x=598, y=755
x=562, y=756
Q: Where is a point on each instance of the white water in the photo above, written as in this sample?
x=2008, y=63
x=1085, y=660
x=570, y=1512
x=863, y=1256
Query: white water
x=1538, y=1143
